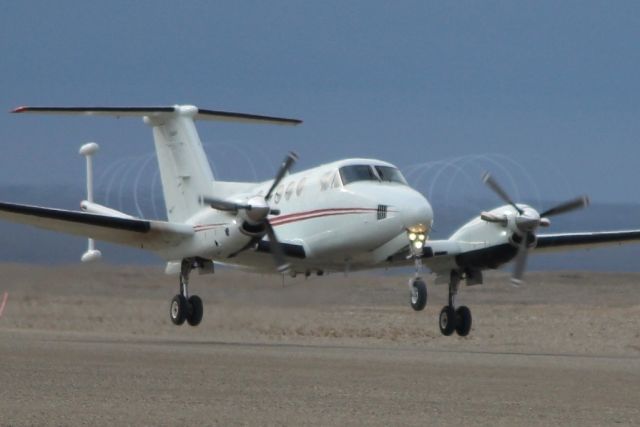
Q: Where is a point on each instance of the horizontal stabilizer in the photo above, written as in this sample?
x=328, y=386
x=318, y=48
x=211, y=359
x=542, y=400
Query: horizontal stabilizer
x=196, y=113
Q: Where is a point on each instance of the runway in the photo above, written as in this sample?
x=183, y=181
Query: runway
x=100, y=351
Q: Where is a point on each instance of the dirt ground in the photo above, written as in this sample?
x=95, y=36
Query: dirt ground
x=93, y=345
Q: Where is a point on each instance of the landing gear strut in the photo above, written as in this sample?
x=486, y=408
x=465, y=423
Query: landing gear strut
x=184, y=307
x=452, y=319
x=418, y=296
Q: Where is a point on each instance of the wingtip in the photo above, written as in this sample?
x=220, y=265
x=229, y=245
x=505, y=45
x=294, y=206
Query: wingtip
x=284, y=268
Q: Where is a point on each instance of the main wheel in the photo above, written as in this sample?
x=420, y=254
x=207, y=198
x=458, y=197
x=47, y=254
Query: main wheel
x=178, y=309
x=447, y=320
x=463, y=321
x=196, y=310
x=418, y=295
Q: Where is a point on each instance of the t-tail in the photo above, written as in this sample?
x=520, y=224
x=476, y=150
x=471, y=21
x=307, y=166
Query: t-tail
x=184, y=168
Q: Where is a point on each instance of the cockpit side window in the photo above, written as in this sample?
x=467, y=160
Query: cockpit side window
x=390, y=174
x=355, y=173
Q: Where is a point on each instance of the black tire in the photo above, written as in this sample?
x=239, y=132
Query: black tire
x=463, y=321
x=447, y=320
x=178, y=309
x=195, y=310
x=418, y=297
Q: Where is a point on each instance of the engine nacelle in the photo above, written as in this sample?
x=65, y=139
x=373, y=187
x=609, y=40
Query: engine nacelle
x=478, y=230
x=497, y=242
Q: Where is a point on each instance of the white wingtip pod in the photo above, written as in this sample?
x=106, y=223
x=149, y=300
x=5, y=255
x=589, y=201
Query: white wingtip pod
x=89, y=149
x=91, y=255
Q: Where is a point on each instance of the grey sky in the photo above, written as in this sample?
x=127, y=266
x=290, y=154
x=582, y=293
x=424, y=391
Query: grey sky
x=551, y=85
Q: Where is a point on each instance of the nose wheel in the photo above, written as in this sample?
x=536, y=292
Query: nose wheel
x=418, y=296
x=184, y=307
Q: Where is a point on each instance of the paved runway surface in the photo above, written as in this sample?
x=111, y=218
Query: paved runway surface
x=81, y=346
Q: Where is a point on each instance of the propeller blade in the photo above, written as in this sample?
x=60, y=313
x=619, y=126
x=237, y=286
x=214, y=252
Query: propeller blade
x=493, y=184
x=578, y=203
x=223, y=205
x=276, y=249
x=521, y=262
x=284, y=168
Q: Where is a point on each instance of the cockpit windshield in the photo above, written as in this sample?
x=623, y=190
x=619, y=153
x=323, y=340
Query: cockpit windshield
x=390, y=174
x=353, y=173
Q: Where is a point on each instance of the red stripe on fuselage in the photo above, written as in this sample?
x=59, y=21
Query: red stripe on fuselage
x=301, y=216
x=318, y=213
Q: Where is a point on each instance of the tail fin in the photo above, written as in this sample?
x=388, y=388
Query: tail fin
x=184, y=168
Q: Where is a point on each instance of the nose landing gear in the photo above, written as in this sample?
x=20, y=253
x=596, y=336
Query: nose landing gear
x=184, y=307
x=418, y=294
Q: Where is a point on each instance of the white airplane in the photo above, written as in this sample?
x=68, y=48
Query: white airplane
x=349, y=215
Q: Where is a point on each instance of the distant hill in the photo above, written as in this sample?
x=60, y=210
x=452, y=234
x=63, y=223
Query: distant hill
x=19, y=243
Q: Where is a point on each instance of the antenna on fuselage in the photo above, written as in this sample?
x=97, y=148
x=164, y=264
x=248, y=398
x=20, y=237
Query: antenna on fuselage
x=88, y=150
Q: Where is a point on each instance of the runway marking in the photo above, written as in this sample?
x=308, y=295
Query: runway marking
x=4, y=302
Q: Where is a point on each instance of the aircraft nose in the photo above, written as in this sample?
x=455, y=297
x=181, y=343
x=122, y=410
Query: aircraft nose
x=417, y=213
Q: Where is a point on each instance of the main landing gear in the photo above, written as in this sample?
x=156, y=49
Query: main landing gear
x=184, y=307
x=452, y=318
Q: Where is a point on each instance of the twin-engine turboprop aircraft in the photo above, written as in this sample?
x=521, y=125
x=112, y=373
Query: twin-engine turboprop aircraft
x=353, y=214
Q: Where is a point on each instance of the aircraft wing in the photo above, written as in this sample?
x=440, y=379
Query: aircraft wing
x=571, y=241
x=139, y=233
x=440, y=256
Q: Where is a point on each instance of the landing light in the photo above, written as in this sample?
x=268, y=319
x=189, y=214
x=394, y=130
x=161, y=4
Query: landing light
x=417, y=239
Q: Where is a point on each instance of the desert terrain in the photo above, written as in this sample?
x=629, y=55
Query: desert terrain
x=93, y=345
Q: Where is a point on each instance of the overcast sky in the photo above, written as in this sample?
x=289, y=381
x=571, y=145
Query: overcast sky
x=547, y=92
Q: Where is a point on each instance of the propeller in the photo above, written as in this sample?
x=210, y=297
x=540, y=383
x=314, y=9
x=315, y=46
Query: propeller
x=526, y=222
x=493, y=184
x=256, y=210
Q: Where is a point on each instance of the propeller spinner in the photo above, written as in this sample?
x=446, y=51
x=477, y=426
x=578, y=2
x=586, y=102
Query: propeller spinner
x=526, y=222
x=256, y=210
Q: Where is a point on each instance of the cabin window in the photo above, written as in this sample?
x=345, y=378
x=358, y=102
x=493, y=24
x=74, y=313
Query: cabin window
x=289, y=191
x=278, y=193
x=325, y=181
x=300, y=186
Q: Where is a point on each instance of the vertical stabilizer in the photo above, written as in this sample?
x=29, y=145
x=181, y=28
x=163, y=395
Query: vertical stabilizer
x=184, y=168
